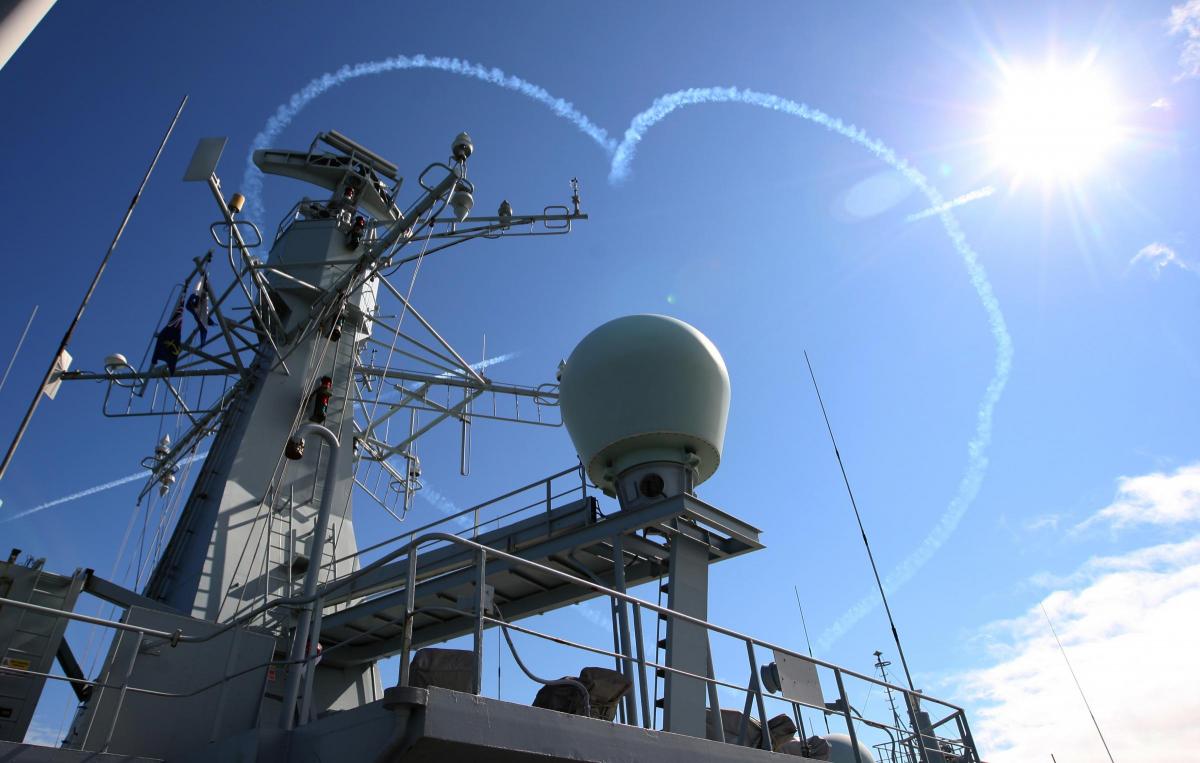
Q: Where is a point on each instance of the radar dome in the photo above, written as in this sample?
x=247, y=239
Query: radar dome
x=645, y=389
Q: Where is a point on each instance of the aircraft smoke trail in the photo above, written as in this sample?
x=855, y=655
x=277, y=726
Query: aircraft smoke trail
x=283, y=116
x=977, y=461
x=622, y=157
x=93, y=490
x=966, y=198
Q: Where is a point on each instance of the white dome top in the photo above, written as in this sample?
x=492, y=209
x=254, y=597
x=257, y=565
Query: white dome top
x=841, y=750
x=645, y=388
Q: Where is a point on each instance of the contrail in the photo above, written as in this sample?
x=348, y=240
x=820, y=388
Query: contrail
x=966, y=198
x=283, y=116
x=93, y=490
x=972, y=478
x=622, y=155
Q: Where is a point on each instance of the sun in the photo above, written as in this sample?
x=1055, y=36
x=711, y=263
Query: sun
x=1055, y=124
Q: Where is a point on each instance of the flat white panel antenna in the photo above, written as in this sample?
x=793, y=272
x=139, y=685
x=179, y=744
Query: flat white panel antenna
x=204, y=160
x=798, y=680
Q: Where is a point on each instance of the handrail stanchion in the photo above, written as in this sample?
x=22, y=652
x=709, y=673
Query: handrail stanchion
x=112, y=727
x=631, y=705
x=477, y=679
x=968, y=740
x=640, y=642
x=756, y=687
x=837, y=674
x=410, y=604
x=714, y=703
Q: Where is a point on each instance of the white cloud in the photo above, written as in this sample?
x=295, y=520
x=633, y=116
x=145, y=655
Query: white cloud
x=1161, y=103
x=1042, y=522
x=1185, y=20
x=1159, y=256
x=1159, y=498
x=1128, y=624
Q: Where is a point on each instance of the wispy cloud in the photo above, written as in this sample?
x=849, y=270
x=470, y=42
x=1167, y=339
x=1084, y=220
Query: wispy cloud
x=1127, y=624
x=1185, y=20
x=1161, y=103
x=1159, y=498
x=1159, y=257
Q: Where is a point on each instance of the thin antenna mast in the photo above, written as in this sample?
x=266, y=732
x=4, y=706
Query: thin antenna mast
x=861, y=529
x=1077, y=684
x=66, y=340
x=804, y=625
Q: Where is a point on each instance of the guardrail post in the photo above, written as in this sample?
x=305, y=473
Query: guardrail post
x=756, y=687
x=640, y=641
x=112, y=727
x=481, y=577
x=714, y=703
x=631, y=705
x=410, y=604
x=837, y=674
x=965, y=730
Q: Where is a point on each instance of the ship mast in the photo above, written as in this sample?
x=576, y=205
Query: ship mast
x=307, y=351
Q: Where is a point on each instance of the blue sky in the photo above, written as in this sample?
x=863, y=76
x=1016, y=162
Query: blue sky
x=771, y=234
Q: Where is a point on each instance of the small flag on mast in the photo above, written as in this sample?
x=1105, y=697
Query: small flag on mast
x=170, y=339
x=197, y=305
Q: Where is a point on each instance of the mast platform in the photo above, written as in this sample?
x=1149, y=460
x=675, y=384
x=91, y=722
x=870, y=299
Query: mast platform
x=574, y=538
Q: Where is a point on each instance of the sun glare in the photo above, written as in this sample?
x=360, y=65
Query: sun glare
x=1056, y=124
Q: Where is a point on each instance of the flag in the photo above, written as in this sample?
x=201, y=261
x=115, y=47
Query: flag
x=197, y=305
x=170, y=339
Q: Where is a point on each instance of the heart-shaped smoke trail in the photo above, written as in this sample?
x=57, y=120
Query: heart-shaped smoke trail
x=622, y=155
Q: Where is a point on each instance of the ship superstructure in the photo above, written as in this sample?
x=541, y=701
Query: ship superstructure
x=260, y=628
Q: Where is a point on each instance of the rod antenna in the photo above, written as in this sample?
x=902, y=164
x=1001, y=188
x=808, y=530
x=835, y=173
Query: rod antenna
x=1077, y=684
x=66, y=340
x=808, y=642
x=854, y=504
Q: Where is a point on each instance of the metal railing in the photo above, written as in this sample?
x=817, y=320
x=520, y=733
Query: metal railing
x=538, y=497
x=924, y=746
x=928, y=745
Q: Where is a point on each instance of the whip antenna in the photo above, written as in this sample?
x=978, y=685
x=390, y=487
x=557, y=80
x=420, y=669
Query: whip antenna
x=59, y=362
x=861, y=529
x=1077, y=684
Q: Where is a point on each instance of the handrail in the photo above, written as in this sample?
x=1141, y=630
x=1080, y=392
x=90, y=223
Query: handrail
x=920, y=738
x=462, y=513
x=663, y=610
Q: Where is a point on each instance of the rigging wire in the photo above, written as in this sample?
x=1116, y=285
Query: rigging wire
x=1077, y=684
x=20, y=342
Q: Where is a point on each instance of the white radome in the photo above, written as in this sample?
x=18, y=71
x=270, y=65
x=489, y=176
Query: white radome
x=645, y=388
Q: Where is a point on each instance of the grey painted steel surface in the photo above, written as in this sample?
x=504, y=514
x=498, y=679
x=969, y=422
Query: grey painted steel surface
x=134, y=723
x=687, y=643
x=12, y=752
x=28, y=639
